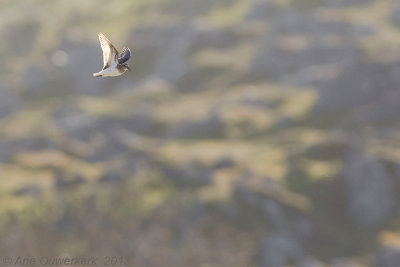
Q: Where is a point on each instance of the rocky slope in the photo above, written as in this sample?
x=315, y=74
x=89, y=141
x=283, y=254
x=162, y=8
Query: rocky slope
x=249, y=133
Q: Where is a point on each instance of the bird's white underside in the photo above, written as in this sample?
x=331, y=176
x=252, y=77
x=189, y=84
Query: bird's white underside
x=109, y=72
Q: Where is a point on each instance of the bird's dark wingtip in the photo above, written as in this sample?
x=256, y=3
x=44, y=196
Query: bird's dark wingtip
x=125, y=55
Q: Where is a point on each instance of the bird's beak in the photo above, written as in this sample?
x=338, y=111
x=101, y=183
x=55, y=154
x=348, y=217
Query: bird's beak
x=128, y=68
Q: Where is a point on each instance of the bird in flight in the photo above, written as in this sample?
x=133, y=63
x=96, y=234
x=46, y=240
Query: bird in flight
x=114, y=64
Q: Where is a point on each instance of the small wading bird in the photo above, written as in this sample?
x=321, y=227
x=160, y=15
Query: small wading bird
x=114, y=65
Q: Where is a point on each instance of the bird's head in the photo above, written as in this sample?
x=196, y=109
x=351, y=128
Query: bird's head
x=126, y=66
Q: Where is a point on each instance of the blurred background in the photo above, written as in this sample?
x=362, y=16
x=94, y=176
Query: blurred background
x=249, y=133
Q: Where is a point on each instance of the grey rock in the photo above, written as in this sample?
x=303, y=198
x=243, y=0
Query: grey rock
x=66, y=221
x=344, y=3
x=278, y=249
x=173, y=64
x=370, y=189
x=8, y=102
x=27, y=190
x=310, y=262
x=396, y=16
x=6, y=150
x=388, y=256
x=272, y=62
x=138, y=123
x=33, y=143
x=217, y=38
x=328, y=150
x=212, y=127
x=276, y=215
x=111, y=178
x=225, y=163
x=292, y=22
x=72, y=120
x=62, y=182
x=35, y=78
x=360, y=84
x=19, y=37
x=304, y=67
x=110, y=148
x=299, y=226
x=190, y=174
x=171, y=45
x=260, y=10
x=343, y=262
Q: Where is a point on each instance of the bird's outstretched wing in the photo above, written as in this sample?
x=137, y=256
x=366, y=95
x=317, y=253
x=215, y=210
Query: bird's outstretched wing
x=125, y=55
x=110, y=54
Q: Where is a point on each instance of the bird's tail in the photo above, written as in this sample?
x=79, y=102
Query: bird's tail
x=97, y=75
